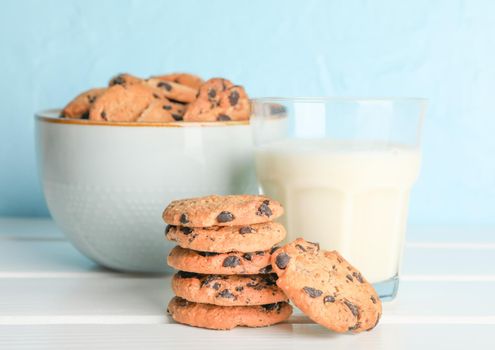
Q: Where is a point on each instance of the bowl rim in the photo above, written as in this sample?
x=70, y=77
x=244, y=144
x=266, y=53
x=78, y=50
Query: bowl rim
x=52, y=115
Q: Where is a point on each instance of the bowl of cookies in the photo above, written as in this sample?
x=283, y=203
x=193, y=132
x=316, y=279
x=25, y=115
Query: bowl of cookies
x=114, y=156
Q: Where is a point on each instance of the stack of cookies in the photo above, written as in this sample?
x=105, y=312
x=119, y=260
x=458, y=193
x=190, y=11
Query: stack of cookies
x=223, y=256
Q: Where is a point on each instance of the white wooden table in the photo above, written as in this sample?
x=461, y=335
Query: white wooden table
x=53, y=297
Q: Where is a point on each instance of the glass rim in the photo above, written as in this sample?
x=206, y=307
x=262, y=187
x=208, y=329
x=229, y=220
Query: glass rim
x=421, y=100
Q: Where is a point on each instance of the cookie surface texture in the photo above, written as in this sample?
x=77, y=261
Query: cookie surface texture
x=228, y=290
x=227, y=317
x=234, y=263
x=326, y=287
x=223, y=239
x=186, y=79
x=219, y=100
x=122, y=103
x=161, y=110
x=173, y=91
x=231, y=210
x=79, y=107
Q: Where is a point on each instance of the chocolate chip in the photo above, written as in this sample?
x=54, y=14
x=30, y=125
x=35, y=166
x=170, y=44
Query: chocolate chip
x=349, y=277
x=118, y=80
x=91, y=99
x=223, y=118
x=185, y=274
x=216, y=286
x=103, y=115
x=270, y=280
x=312, y=292
x=209, y=278
x=156, y=96
x=255, y=285
x=273, y=249
x=212, y=93
x=328, y=299
x=231, y=261
x=177, y=117
x=206, y=254
x=264, y=209
x=85, y=115
x=373, y=299
x=167, y=107
x=301, y=248
x=186, y=230
x=266, y=269
x=226, y=294
x=245, y=229
x=317, y=246
x=282, y=260
x=239, y=288
x=164, y=85
x=225, y=216
x=184, y=219
x=354, y=309
x=247, y=256
x=233, y=98
x=358, y=276
x=271, y=307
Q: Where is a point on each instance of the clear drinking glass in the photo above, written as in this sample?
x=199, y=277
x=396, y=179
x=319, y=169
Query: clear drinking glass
x=343, y=169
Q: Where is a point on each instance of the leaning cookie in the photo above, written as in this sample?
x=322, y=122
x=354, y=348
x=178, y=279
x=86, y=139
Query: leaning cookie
x=227, y=317
x=228, y=290
x=174, y=91
x=219, y=100
x=122, y=103
x=231, y=210
x=223, y=239
x=234, y=263
x=79, y=107
x=186, y=79
x=161, y=110
x=326, y=287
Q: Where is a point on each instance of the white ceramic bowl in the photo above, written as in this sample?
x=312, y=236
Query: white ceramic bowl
x=106, y=184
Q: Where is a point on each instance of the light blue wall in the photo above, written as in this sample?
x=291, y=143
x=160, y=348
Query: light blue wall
x=443, y=50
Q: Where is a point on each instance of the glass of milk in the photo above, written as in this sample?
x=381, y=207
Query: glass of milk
x=343, y=169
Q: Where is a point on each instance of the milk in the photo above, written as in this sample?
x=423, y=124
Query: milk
x=349, y=197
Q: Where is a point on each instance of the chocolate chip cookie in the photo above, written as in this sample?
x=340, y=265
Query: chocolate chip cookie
x=227, y=290
x=219, y=100
x=233, y=263
x=227, y=317
x=224, y=239
x=122, y=103
x=326, y=287
x=79, y=107
x=231, y=210
x=161, y=110
x=186, y=79
x=174, y=91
